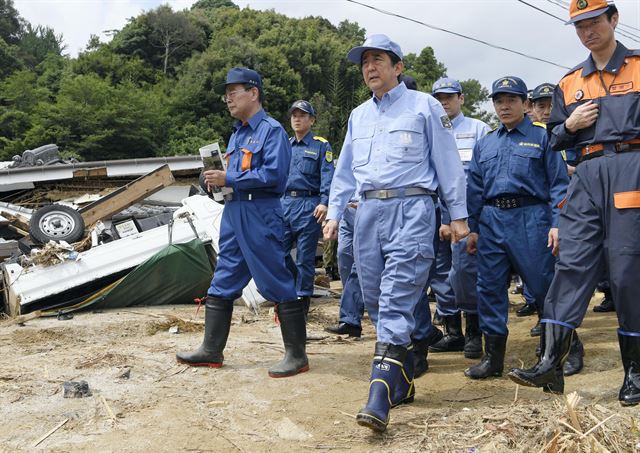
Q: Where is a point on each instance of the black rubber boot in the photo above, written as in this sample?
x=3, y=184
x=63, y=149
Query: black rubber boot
x=387, y=381
x=555, y=343
x=472, y=337
x=575, y=359
x=306, y=303
x=453, y=341
x=342, y=328
x=419, y=357
x=527, y=310
x=217, y=323
x=607, y=303
x=630, y=351
x=492, y=362
x=536, y=330
x=294, y=337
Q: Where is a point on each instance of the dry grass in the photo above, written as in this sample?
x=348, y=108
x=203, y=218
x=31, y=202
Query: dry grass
x=564, y=426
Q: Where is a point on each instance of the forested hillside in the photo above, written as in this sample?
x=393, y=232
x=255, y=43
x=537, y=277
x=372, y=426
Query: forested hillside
x=151, y=90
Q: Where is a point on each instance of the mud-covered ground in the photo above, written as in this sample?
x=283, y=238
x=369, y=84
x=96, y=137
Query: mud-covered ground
x=143, y=401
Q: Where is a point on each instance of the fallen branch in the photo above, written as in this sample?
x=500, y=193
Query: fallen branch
x=598, y=425
x=58, y=426
x=24, y=318
x=109, y=411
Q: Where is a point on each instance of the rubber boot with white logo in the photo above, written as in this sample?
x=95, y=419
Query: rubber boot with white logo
x=386, y=373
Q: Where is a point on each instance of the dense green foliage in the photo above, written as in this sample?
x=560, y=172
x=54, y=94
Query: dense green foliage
x=154, y=89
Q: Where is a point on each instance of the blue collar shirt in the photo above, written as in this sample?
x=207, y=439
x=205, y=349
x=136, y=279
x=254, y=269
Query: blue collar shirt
x=404, y=139
x=518, y=162
x=265, y=144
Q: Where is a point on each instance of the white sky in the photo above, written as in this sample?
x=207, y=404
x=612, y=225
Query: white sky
x=508, y=23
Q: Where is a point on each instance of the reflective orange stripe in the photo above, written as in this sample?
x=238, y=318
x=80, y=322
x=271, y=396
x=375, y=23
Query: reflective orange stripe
x=627, y=200
x=597, y=147
x=246, y=159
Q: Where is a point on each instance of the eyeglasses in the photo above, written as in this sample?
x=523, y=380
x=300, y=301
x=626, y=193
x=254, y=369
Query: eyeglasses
x=231, y=94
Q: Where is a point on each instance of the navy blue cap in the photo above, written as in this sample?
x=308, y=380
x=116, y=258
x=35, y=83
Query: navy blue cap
x=244, y=76
x=305, y=106
x=544, y=90
x=374, y=42
x=510, y=85
x=409, y=81
x=446, y=85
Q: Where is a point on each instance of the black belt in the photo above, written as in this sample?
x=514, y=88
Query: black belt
x=301, y=193
x=399, y=193
x=249, y=196
x=513, y=201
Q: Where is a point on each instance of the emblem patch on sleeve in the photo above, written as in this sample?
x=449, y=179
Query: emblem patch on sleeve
x=446, y=122
x=329, y=156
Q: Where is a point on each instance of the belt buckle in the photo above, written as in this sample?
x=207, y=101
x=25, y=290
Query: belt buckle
x=621, y=147
x=383, y=194
x=293, y=193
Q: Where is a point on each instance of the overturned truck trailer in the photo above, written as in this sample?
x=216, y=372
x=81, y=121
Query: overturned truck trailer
x=92, y=274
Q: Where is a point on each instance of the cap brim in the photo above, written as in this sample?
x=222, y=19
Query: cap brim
x=589, y=15
x=447, y=91
x=302, y=110
x=355, y=54
x=508, y=91
x=541, y=97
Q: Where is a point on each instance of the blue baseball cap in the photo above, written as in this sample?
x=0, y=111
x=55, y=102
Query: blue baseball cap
x=304, y=106
x=544, y=90
x=510, y=85
x=374, y=42
x=244, y=76
x=446, y=85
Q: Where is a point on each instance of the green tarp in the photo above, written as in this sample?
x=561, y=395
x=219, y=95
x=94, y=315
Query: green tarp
x=175, y=275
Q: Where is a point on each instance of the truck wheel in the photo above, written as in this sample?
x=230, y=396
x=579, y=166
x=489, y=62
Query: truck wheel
x=56, y=223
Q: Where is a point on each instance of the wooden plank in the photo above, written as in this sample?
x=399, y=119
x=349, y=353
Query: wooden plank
x=53, y=430
x=21, y=319
x=16, y=220
x=96, y=172
x=127, y=195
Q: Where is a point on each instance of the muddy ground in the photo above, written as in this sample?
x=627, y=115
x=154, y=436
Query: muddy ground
x=144, y=401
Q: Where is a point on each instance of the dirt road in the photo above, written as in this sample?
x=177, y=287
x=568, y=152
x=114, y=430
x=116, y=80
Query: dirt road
x=143, y=401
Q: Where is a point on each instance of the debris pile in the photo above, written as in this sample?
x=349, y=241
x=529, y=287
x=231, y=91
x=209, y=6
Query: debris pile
x=564, y=426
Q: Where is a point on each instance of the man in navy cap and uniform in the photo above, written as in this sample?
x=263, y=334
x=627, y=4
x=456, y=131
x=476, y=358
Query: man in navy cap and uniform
x=514, y=187
x=306, y=196
x=399, y=148
x=252, y=229
x=463, y=269
x=595, y=110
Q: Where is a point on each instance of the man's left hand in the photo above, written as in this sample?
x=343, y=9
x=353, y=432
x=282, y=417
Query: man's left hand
x=459, y=230
x=216, y=178
x=320, y=212
x=554, y=241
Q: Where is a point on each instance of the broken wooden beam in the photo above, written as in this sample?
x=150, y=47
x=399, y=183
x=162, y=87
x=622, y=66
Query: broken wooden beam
x=127, y=195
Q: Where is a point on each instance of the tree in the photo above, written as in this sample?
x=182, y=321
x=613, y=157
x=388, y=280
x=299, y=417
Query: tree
x=161, y=37
x=10, y=22
x=475, y=95
x=213, y=4
x=36, y=43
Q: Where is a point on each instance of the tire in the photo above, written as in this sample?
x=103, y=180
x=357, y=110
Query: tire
x=56, y=223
